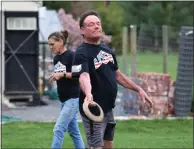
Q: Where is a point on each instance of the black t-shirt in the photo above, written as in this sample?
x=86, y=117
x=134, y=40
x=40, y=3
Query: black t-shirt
x=66, y=88
x=101, y=64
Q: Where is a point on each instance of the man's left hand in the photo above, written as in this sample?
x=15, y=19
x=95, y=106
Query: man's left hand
x=144, y=97
x=56, y=76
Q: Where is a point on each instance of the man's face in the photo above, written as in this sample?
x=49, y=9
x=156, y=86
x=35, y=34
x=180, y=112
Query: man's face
x=92, y=27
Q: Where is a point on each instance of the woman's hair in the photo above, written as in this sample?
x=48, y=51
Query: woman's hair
x=62, y=35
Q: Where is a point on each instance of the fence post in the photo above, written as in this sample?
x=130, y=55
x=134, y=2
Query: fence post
x=165, y=47
x=124, y=48
x=133, y=43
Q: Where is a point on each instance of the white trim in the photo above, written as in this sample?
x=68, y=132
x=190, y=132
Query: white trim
x=2, y=54
x=20, y=5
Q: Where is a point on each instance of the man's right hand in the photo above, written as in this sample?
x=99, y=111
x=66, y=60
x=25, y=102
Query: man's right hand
x=89, y=98
x=86, y=87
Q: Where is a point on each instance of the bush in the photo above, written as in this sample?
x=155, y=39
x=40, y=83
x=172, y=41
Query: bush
x=112, y=22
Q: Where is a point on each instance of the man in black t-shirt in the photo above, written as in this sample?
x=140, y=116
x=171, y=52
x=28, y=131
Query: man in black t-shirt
x=99, y=75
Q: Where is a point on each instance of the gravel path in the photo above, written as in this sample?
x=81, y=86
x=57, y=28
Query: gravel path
x=45, y=113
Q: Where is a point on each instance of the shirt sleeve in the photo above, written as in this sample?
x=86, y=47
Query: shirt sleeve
x=54, y=60
x=115, y=62
x=80, y=63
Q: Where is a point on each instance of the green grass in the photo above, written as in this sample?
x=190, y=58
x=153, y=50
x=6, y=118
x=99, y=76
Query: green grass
x=152, y=62
x=129, y=134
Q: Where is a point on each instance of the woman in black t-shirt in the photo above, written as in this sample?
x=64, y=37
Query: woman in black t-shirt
x=68, y=91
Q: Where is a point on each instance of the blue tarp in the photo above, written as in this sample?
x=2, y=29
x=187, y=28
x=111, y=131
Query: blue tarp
x=6, y=119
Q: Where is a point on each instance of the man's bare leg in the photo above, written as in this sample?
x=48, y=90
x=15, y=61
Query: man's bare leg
x=108, y=144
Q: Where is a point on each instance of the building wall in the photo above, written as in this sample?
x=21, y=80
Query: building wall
x=5, y=5
x=2, y=67
x=20, y=6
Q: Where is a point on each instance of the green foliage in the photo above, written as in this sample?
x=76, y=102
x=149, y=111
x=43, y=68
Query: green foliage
x=175, y=14
x=112, y=21
x=134, y=12
x=56, y=5
x=158, y=14
x=118, y=14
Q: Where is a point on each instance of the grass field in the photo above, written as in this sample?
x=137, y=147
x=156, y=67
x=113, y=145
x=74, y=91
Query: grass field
x=152, y=62
x=129, y=134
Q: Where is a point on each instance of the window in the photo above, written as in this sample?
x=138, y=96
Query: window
x=21, y=23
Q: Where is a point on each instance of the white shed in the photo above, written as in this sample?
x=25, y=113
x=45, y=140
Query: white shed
x=19, y=49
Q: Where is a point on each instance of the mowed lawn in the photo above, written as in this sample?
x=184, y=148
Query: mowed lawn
x=151, y=62
x=129, y=134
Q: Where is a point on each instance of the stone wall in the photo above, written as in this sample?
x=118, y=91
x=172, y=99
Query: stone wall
x=160, y=88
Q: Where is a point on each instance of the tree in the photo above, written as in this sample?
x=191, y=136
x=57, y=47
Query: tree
x=112, y=21
x=74, y=7
x=56, y=5
x=171, y=13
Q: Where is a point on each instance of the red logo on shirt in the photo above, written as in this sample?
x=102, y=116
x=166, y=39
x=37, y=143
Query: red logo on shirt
x=102, y=58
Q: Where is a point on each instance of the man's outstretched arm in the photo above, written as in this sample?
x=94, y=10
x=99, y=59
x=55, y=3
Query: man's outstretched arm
x=85, y=85
x=127, y=83
x=123, y=80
